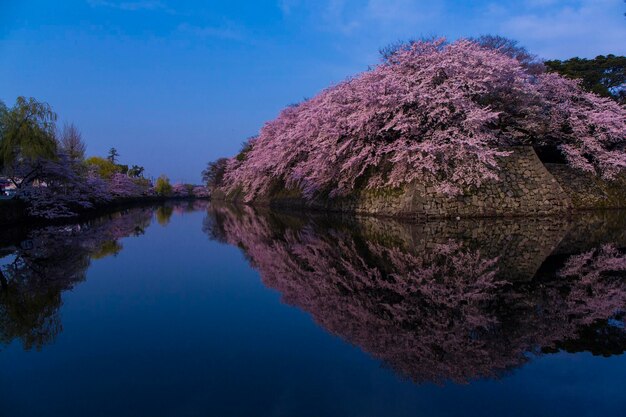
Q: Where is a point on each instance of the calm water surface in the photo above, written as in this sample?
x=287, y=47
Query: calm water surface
x=198, y=310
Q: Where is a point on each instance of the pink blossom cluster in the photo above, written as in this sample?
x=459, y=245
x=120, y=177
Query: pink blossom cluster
x=200, y=192
x=121, y=185
x=180, y=190
x=188, y=190
x=431, y=111
x=56, y=188
x=62, y=187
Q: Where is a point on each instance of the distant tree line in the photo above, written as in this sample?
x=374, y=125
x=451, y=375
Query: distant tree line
x=602, y=75
x=49, y=171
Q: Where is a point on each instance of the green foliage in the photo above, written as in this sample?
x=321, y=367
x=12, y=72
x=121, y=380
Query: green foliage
x=603, y=75
x=27, y=132
x=104, y=167
x=246, y=147
x=163, y=186
x=123, y=168
x=107, y=248
x=136, y=171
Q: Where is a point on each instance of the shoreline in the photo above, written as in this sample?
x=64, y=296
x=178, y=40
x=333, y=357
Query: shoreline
x=13, y=213
x=409, y=218
x=526, y=187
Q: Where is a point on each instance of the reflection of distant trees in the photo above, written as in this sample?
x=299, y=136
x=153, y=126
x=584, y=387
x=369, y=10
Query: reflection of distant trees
x=440, y=310
x=49, y=261
x=188, y=206
x=164, y=212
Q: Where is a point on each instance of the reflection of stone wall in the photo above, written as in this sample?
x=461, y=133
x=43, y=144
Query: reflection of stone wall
x=591, y=229
x=520, y=246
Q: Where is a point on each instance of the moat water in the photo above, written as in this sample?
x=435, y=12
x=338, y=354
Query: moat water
x=193, y=309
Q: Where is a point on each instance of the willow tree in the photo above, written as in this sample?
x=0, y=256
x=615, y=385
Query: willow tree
x=27, y=133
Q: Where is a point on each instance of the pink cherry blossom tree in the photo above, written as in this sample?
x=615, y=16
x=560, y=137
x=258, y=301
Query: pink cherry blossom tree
x=432, y=110
x=121, y=185
x=201, y=192
x=182, y=190
x=58, y=188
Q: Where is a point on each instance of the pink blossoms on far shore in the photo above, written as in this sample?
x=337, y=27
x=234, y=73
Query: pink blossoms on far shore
x=431, y=111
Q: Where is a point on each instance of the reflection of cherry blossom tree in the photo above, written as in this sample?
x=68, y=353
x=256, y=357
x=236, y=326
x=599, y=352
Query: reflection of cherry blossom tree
x=434, y=314
x=596, y=272
x=52, y=260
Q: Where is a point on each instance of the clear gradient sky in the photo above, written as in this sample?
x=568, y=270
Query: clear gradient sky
x=174, y=84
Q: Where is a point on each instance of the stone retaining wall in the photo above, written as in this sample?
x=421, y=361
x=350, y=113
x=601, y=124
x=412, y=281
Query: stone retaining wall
x=588, y=191
x=526, y=187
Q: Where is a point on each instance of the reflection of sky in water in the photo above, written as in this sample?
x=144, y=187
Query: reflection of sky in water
x=7, y=259
x=178, y=324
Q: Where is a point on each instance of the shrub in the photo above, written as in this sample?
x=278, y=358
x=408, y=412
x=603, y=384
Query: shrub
x=163, y=186
x=103, y=167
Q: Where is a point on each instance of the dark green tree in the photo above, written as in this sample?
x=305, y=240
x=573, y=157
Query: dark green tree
x=603, y=75
x=214, y=173
x=113, y=154
x=136, y=171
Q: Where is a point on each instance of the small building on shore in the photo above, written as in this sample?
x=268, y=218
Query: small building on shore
x=7, y=188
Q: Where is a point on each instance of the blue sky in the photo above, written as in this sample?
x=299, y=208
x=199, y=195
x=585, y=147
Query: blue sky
x=174, y=84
